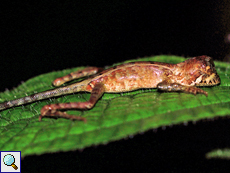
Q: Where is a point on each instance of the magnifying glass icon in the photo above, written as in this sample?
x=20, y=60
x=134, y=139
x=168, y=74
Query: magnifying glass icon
x=9, y=160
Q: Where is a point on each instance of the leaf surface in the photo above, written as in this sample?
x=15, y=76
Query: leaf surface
x=219, y=154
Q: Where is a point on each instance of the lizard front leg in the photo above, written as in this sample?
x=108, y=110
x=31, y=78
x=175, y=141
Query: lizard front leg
x=168, y=86
x=53, y=109
x=75, y=75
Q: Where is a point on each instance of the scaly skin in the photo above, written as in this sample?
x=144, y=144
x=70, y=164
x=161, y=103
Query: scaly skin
x=183, y=77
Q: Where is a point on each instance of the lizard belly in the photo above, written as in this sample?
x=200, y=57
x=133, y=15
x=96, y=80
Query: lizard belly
x=132, y=78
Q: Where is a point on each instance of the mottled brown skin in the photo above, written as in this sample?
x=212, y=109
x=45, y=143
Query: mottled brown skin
x=183, y=77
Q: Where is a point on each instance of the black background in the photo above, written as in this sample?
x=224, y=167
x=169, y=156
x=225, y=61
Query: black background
x=41, y=37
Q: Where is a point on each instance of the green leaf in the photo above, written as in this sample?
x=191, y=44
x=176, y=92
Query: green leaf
x=219, y=154
x=114, y=117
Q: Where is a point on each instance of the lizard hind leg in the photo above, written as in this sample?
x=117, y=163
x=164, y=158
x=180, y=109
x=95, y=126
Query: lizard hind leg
x=52, y=110
x=75, y=75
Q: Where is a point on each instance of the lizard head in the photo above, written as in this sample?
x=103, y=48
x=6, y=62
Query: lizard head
x=206, y=70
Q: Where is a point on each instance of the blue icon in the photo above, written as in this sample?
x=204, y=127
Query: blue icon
x=9, y=160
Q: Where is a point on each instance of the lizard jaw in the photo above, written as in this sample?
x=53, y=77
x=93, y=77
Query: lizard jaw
x=210, y=80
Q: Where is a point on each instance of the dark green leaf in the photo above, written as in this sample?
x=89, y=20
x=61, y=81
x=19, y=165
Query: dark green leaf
x=219, y=154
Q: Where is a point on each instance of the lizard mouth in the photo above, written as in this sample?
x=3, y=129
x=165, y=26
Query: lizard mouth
x=210, y=80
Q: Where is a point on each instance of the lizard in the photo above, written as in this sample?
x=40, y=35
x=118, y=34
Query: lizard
x=182, y=77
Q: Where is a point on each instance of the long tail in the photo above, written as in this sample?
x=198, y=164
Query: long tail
x=44, y=95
